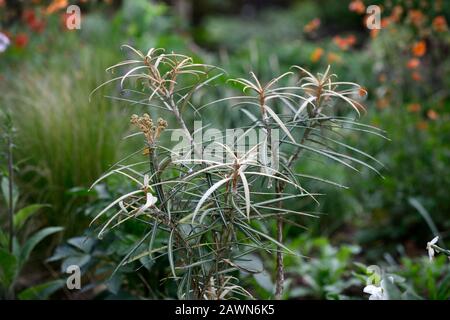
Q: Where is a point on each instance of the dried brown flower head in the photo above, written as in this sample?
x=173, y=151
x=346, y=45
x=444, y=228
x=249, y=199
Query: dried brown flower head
x=148, y=128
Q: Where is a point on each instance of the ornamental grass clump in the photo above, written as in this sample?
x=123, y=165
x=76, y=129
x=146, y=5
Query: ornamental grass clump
x=215, y=196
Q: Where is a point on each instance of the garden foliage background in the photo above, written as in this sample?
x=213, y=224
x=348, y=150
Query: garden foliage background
x=62, y=142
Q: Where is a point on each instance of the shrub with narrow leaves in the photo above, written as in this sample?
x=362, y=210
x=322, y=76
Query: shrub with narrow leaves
x=216, y=211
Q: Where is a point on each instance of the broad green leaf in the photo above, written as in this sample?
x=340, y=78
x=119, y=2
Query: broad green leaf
x=62, y=252
x=41, y=291
x=83, y=243
x=79, y=260
x=21, y=217
x=34, y=240
x=8, y=268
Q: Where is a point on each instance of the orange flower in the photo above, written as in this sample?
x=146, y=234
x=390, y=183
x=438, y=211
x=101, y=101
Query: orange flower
x=56, y=5
x=344, y=43
x=385, y=22
x=419, y=48
x=413, y=63
x=311, y=26
x=316, y=54
x=433, y=115
x=362, y=92
x=382, y=77
x=414, y=107
x=422, y=125
x=339, y=42
x=357, y=6
x=333, y=57
x=351, y=40
x=21, y=40
x=440, y=24
x=416, y=76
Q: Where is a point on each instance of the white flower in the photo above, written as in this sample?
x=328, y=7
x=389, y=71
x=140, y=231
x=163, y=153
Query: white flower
x=376, y=293
x=430, y=247
x=4, y=42
x=151, y=200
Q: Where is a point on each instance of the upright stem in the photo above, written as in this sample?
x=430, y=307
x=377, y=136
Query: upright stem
x=10, y=193
x=280, y=189
x=280, y=186
x=279, y=234
x=280, y=263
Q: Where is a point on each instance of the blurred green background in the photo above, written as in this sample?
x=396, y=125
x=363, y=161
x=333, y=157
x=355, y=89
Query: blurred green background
x=63, y=142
